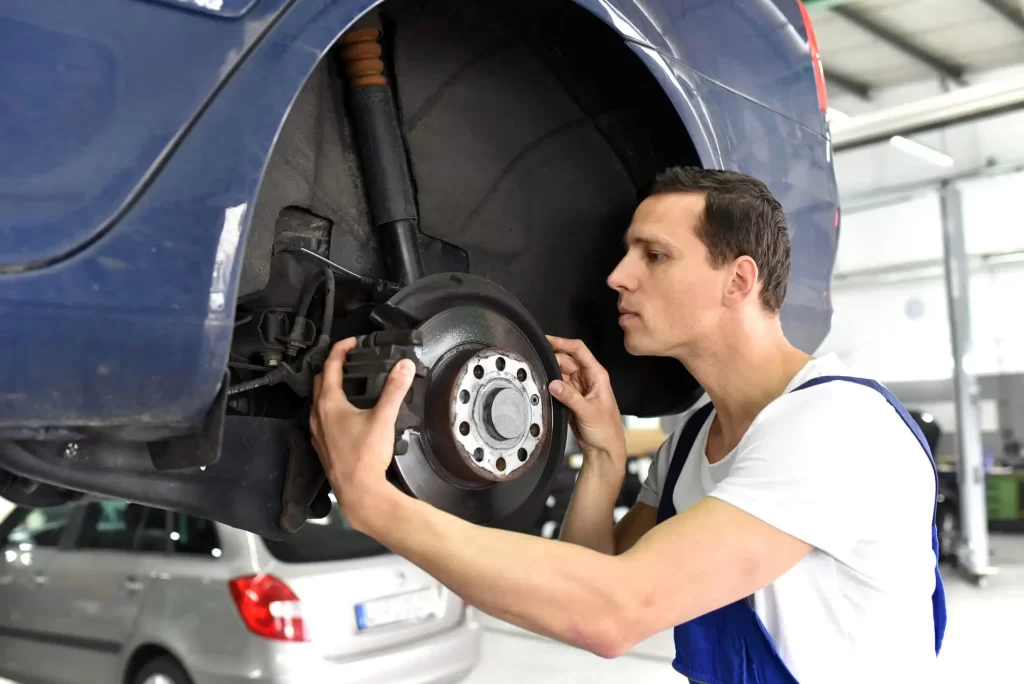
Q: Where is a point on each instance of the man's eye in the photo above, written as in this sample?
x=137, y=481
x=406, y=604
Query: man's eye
x=655, y=256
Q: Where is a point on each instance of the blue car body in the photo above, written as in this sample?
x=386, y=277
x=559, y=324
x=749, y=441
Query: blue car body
x=134, y=135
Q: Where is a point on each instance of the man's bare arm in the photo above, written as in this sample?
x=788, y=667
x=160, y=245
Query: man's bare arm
x=635, y=524
x=589, y=520
x=597, y=424
x=701, y=559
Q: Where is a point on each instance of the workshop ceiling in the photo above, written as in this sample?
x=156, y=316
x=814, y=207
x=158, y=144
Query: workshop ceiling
x=869, y=44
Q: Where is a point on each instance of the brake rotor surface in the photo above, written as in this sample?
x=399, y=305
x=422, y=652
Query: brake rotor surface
x=492, y=436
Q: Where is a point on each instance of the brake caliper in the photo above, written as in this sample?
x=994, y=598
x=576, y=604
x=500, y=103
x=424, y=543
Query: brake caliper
x=366, y=372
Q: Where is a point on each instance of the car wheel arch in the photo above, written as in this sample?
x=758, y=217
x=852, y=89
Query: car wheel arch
x=323, y=38
x=144, y=653
x=680, y=108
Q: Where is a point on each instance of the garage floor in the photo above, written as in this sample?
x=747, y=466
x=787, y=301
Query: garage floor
x=983, y=642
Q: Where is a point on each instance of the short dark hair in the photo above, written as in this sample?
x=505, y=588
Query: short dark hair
x=741, y=218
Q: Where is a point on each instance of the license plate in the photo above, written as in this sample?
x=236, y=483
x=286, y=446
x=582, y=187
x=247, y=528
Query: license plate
x=410, y=607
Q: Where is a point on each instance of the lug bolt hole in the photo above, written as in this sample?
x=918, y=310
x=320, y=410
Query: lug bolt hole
x=500, y=363
x=464, y=428
x=478, y=454
x=464, y=396
x=534, y=429
x=478, y=372
x=500, y=464
x=522, y=455
x=534, y=400
x=521, y=374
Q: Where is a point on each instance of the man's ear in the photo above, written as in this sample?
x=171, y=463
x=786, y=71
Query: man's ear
x=742, y=283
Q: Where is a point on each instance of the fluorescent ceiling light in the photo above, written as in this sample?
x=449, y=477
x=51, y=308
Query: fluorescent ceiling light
x=911, y=147
x=920, y=151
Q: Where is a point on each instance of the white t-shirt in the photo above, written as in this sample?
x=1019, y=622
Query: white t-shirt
x=835, y=466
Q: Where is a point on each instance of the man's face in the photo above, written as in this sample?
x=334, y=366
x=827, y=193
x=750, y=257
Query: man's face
x=669, y=294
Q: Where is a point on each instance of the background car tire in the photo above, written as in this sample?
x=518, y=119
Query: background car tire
x=162, y=670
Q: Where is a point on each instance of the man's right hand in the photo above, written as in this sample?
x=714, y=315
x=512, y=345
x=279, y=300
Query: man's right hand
x=594, y=416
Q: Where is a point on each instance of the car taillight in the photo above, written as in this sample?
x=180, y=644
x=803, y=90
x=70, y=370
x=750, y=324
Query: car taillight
x=268, y=607
x=819, y=71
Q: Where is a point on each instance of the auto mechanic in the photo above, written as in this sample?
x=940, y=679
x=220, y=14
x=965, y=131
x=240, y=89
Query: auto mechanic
x=750, y=538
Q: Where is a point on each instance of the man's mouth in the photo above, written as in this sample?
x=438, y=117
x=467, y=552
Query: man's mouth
x=626, y=315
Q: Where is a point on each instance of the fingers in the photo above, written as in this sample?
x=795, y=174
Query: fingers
x=566, y=363
x=330, y=383
x=570, y=396
x=579, y=353
x=394, y=392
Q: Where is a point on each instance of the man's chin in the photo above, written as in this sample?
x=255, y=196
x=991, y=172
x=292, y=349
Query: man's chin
x=637, y=346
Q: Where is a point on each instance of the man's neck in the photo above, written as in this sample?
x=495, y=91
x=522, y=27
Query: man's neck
x=743, y=373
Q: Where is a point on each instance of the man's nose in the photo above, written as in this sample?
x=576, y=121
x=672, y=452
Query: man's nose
x=619, y=279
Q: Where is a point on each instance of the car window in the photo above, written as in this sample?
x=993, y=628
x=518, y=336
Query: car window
x=195, y=536
x=41, y=527
x=327, y=539
x=152, y=535
x=123, y=526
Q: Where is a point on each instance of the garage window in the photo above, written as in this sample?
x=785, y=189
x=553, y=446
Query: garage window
x=194, y=536
x=123, y=526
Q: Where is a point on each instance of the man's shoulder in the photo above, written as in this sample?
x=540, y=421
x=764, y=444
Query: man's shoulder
x=843, y=405
x=827, y=383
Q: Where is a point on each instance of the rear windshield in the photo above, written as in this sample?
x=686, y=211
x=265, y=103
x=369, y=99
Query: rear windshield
x=326, y=539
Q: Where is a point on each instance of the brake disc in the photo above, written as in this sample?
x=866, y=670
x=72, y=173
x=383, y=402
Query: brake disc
x=491, y=437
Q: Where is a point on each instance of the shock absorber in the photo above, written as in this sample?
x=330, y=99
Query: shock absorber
x=382, y=154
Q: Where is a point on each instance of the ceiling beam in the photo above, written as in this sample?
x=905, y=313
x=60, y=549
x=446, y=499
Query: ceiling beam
x=848, y=83
x=939, y=111
x=938, y=64
x=1012, y=15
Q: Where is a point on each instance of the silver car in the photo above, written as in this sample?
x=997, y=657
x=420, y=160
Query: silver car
x=108, y=592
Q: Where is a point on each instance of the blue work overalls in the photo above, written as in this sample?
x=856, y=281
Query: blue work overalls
x=731, y=645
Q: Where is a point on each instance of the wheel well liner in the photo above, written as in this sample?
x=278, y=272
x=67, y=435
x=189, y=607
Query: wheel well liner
x=533, y=130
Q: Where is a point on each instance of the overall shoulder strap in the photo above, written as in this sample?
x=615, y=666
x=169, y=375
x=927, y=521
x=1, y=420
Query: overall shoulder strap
x=939, y=595
x=666, y=509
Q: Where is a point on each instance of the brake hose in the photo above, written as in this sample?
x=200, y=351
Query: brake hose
x=276, y=375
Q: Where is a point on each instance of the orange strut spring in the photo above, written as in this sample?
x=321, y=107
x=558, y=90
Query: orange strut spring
x=362, y=58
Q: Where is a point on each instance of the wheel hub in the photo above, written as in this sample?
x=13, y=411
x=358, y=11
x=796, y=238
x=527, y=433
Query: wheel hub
x=491, y=437
x=496, y=414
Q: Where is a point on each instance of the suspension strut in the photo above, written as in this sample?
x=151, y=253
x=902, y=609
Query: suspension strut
x=382, y=154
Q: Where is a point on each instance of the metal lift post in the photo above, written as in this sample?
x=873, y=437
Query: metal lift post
x=973, y=551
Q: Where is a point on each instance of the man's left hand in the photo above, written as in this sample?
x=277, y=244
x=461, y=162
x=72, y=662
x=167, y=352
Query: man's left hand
x=357, y=445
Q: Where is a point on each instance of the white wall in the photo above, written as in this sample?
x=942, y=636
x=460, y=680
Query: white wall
x=889, y=293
